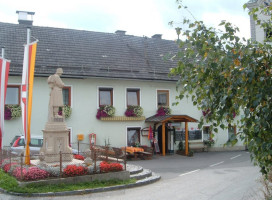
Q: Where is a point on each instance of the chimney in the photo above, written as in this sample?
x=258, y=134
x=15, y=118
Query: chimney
x=157, y=36
x=25, y=17
x=120, y=32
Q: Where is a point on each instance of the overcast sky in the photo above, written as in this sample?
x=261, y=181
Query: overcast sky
x=137, y=17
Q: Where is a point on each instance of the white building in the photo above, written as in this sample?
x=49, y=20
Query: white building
x=103, y=69
x=258, y=33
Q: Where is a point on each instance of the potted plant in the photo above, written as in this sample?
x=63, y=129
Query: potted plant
x=12, y=111
x=105, y=111
x=134, y=111
x=208, y=143
x=181, y=150
x=163, y=110
x=67, y=111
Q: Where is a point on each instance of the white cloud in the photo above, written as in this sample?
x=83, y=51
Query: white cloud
x=141, y=17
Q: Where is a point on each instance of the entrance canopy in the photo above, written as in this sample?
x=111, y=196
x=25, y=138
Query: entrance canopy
x=172, y=118
x=167, y=118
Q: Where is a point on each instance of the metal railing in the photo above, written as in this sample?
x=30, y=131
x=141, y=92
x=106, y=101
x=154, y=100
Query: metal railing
x=56, y=165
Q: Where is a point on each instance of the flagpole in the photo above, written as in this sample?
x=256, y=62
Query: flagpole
x=3, y=52
x=27, y=151
x=2, y=108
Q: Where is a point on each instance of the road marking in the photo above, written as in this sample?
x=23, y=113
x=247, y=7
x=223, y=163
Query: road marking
x=189, y=172
x=216, y=164
x=235, y=156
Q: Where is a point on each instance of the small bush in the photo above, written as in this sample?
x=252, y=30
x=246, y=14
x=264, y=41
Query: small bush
x=7, y=167
x=17, y=172
x=73, y=170
x=110, y=167
x=78, y=157
x=35, y=173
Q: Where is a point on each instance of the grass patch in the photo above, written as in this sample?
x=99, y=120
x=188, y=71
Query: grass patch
x=9, y=183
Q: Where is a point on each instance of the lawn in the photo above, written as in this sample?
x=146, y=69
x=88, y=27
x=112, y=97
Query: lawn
x=10, y=184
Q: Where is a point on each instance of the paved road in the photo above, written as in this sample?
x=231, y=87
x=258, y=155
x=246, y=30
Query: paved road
x=206, y=176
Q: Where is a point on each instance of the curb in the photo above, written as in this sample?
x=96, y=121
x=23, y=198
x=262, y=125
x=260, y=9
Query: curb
x=146, y=181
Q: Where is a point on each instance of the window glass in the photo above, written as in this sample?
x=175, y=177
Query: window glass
x=231, y=131
x=21, y=142
x=163, y=98
x=12, y=95
x=66, y=96
x=105, y=96
x=133, y=98
x=206, y=133
x=133, y=136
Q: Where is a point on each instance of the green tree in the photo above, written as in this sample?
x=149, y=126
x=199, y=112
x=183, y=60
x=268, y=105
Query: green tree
x=225, y=76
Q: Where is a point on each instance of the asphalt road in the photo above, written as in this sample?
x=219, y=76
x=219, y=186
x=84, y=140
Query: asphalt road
x=205, y=176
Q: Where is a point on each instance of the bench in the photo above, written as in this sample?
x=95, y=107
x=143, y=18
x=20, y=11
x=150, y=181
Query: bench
x=197, y=146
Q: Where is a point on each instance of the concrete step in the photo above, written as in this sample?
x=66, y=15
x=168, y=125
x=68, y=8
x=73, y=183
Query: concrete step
x=134, y=169
x=142, y=175
x=148, y=180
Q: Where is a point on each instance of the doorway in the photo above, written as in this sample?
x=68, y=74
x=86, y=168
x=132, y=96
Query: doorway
x=160, y=138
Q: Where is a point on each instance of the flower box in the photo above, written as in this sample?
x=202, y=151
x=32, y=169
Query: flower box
x=122, y=118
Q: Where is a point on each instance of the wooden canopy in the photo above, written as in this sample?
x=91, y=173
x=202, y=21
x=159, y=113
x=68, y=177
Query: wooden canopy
x=172, y=118
x=167, y=118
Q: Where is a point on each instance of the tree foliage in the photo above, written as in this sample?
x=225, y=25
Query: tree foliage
x=226, y=76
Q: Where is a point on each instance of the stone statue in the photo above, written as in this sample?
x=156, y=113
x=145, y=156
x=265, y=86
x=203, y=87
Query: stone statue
x=55, y=133
x=56, y=98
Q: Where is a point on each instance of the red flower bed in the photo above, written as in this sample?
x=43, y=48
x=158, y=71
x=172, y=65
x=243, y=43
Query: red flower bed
x=6, y=167
x=73, y=170
x=79, y=157
x=110, y=167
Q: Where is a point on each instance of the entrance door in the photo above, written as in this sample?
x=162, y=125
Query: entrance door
x=160, y=138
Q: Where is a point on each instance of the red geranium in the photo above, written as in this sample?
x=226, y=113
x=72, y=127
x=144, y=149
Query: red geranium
x=73, y=170
x=79, y=157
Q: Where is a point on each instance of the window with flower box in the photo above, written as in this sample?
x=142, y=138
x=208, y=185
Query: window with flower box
x=105, y=96
x=133, y=97
x=13, y=95
x=162, y=98
x=133, y=136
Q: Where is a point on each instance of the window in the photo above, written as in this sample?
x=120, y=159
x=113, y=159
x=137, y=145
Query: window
x=206, y=132
x=162, y=98
x=268, y=34
x=66, y=93
x=13, y=95
x=133, y=97
x=133, y=136
x=105, y=96
x=231, y=132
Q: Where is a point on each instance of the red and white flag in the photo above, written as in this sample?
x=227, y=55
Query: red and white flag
x=4, y=71
x=26, y=93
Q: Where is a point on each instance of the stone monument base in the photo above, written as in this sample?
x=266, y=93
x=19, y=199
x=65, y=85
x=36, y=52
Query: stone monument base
x=56, y=140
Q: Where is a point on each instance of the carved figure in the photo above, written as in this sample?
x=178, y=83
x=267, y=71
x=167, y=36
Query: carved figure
x=56, y=98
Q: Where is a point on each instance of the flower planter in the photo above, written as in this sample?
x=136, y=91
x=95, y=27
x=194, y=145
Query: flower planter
x=122, y=175
x=122, y=118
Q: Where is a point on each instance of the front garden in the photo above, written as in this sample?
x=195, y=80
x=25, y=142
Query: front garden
x=87, y=169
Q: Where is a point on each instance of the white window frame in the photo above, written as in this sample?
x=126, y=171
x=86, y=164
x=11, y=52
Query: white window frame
x=127, y=127
x=157, y=97
x=133, y=88
x=71, y=89
x=97, y=96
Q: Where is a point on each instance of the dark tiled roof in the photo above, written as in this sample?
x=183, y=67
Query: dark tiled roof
x=166, y=118
x=84, y=54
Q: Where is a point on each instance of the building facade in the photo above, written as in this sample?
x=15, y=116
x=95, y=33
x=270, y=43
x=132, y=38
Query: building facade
x=103, y=69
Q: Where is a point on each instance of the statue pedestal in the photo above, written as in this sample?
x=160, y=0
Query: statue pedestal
x=56, y=139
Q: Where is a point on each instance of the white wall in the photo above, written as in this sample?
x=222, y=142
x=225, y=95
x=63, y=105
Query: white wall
x=84, y=107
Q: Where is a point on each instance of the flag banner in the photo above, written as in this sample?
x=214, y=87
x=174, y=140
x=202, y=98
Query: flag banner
x=4, y=71
x=26, y=93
